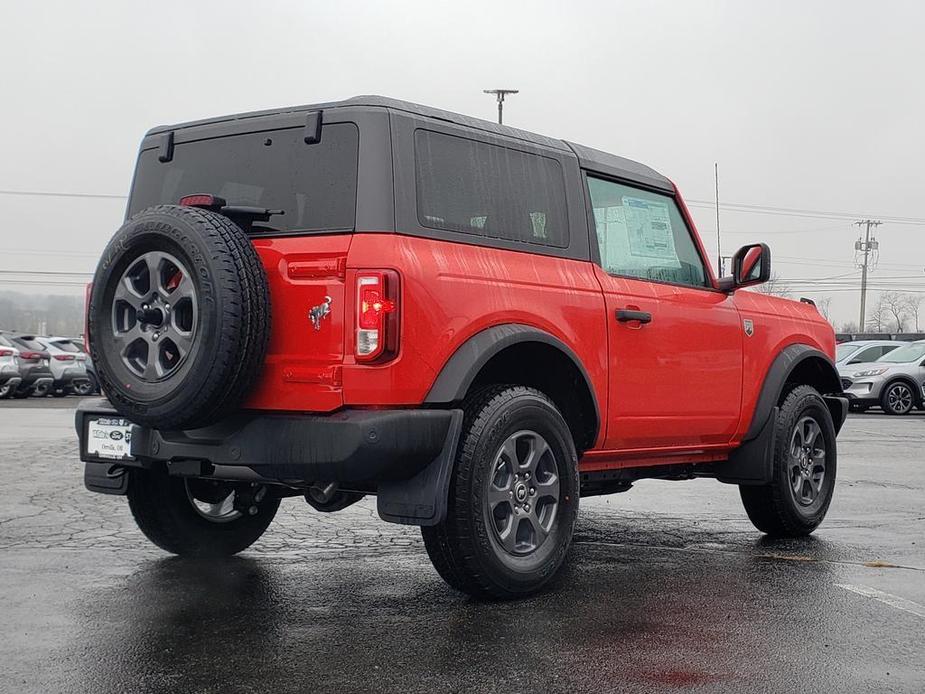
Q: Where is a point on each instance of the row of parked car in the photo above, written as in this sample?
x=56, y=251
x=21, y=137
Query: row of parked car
x=882, y=372
x=40, y=366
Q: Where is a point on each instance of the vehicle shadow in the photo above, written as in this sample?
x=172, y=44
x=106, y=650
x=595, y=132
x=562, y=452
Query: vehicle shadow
x=620, y=618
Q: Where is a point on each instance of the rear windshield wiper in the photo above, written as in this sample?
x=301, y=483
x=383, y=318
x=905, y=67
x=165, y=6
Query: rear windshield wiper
x=243, y=215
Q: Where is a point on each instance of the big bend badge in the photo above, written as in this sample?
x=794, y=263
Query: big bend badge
x=749, y=327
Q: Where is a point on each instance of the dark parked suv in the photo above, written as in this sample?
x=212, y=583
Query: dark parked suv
x=34, y=359
x=477, y=325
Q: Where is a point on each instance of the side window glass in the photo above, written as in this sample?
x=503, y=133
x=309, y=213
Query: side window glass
x=484, y=189
x=642, y=234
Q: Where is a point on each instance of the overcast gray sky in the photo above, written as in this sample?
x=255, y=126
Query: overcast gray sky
x=815, y=106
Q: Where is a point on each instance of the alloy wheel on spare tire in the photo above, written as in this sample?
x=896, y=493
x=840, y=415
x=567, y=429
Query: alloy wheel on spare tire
x=179, y=317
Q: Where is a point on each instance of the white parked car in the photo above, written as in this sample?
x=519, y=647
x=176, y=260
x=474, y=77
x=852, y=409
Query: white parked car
x=68, y=367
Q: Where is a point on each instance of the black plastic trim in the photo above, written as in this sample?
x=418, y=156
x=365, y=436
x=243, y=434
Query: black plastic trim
x=457, y=375
x=313, y=128
x=347, y=446
x=422, y=500
x=165, y=148
x=752, y=462
x=776, y=378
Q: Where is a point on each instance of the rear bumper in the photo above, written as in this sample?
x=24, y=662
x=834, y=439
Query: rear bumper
x=362, y=447
x=71, y=377
x=11, y=381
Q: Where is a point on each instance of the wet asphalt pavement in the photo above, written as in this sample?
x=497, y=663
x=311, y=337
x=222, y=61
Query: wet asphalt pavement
x=669, y=588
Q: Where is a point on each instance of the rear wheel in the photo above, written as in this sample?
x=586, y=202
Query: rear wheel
x=897, y=398
x=5, y=391
x=199, y=518
x=796, y=500
x=513, y=497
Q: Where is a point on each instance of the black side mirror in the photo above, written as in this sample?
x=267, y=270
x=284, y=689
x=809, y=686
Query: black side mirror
x=750, y=265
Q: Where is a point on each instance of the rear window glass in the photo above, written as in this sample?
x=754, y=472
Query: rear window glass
x=488, y=190
x=65, y=346
x=315, y=185
x=31, y=343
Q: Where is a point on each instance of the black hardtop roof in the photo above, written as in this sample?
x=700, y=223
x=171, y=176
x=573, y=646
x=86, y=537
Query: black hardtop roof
x=589, y=157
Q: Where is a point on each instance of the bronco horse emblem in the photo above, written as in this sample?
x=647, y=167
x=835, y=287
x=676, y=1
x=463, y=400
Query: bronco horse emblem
x=319, y=312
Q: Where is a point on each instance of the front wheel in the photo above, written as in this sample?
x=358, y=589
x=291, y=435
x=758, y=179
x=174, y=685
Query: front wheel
x=796, y=500
x=199, y=518
x=897, y=398
x=513, y=497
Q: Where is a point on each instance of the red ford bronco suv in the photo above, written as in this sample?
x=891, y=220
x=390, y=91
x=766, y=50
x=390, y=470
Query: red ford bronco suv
x=475, y=324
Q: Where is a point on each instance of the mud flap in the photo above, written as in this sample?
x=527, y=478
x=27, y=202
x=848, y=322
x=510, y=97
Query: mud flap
x=422, y=500
x=752, y=462
x=106, y=478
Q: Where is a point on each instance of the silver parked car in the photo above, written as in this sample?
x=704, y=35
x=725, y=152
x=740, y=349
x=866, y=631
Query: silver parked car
x=68, y=367
x=896, y=381
x=10, y=372
x=860, y=351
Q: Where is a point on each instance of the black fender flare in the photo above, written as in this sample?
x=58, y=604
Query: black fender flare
x=783, y=366
x=461, y=369
x=751, y=462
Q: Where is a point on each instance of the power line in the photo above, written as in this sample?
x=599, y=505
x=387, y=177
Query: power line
x=52, y=273
x=51, y=194
x=730, y=206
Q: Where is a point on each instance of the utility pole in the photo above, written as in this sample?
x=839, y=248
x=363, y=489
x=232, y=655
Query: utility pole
x=719, y=250
x=501, y=93
x=865, y=247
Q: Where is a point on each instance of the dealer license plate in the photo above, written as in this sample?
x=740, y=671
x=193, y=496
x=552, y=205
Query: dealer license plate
x=109, y=438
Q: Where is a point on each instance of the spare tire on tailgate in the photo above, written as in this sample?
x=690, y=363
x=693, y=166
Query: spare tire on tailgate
x=179, y=317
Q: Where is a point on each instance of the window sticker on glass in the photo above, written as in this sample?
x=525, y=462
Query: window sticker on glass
x=648, y=226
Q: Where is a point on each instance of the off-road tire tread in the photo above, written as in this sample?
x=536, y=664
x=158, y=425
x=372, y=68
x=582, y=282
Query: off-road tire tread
x=244, y=325
x=447, y=542
x=768, y=506
x=164, y=514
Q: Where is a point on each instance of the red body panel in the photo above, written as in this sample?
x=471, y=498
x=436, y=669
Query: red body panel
x=683, y=387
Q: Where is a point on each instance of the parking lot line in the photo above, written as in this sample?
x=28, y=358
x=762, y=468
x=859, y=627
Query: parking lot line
x=886, y=598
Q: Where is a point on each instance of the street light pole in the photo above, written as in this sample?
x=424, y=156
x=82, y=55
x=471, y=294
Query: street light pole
x=501, y=93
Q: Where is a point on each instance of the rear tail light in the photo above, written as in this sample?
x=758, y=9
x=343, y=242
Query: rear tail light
x=65, y=357
x=87, y=292
x=6, y=353
x=30, y=356
x=377, y=316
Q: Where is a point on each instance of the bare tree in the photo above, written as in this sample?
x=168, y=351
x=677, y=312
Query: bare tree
x=876, y=317
x=775, y=286
x=913, y=308
x=895, y=308
x=825, y=307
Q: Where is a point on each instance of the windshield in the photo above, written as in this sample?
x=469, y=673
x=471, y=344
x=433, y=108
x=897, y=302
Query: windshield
x=314, y=185
x=845, y=351
x=905, y=354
